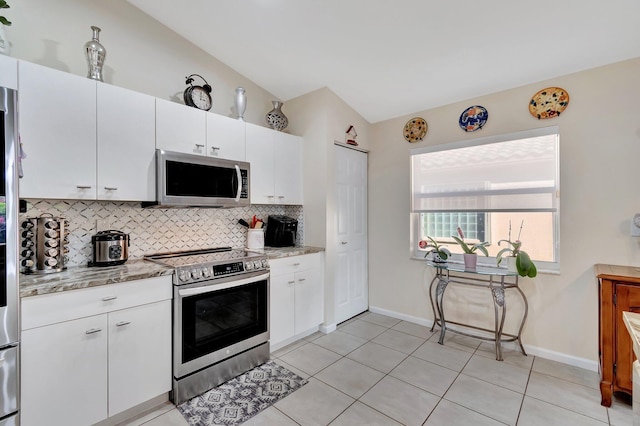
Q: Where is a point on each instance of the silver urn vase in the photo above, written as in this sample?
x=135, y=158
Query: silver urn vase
x=95, y=53
x=275, y=118
x=241, y=102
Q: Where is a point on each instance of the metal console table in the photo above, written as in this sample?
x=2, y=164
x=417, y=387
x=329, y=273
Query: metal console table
x=497, y=280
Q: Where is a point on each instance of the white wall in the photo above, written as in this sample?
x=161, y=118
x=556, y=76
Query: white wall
x=142, y=54
x=599, y=176
x=322, y=118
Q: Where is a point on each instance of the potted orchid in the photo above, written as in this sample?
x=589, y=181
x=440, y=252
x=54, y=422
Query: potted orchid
x=439, y=254
x=470, y=255
x=523, y=263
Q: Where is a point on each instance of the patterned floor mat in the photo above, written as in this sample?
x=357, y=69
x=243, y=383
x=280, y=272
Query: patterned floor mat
x=241, y=398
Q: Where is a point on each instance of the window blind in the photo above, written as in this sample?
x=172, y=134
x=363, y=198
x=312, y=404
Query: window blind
x=506, y=173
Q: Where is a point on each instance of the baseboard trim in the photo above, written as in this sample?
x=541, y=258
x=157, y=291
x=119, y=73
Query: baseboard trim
x=575, y=361
x=328, y=328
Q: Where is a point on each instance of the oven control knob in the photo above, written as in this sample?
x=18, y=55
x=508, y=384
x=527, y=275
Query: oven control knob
x=206, y=272
x=184, y=276
x=248, y=266
x=196, y=274
x=265, y=263
x=257, y=264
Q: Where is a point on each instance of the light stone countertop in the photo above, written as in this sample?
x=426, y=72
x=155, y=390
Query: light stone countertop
x=79, y=277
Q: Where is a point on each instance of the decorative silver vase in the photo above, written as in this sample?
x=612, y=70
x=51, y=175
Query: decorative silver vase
x=241, y=102
x=95, y=53
x=275, y=118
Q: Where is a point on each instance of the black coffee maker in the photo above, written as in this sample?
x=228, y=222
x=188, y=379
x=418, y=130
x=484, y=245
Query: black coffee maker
x=281, y=231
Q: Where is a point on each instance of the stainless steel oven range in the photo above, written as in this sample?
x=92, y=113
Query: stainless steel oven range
x=220, y=316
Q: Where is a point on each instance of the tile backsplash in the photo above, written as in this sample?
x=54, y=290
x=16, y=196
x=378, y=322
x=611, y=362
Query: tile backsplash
x=155, y=230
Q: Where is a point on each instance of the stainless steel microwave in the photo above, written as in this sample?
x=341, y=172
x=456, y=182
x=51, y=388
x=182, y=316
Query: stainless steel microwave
x=188, y=180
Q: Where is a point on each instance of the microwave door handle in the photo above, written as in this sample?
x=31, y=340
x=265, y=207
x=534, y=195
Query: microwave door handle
x=210, y=288
x=239, y=191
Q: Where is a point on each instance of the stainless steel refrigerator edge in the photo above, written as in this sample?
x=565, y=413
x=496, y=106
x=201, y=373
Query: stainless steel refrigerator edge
x=9, y=302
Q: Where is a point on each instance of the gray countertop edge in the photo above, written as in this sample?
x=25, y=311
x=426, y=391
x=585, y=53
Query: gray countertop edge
x=79, y=277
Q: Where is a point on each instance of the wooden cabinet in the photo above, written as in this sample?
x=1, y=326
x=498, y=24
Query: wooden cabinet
x=297, y=297
x=126, y=145
x=57, y=122
x=92, y=353
x=276, y=166
x=84, y=139
x=619, y=291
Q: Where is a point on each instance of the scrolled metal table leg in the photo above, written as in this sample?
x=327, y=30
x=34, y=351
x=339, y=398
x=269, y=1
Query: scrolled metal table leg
x=433, y=308
x=524, y=319
x=442, y=286
x=499, y=303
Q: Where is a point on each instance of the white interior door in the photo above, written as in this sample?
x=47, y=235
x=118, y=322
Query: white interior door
x=351, y=277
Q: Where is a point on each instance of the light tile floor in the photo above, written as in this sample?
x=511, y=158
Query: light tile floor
x=377, y=370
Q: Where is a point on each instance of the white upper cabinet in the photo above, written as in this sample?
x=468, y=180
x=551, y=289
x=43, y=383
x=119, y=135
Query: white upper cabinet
x=126, y=144
x=276, y=166
x=180, y=128
x=260, y=155
x=57, y=122
x=225, y=137
x=287, y=168
x=8, y=72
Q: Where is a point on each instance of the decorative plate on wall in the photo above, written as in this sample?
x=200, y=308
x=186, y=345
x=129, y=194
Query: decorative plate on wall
x=548, y=103
x=473, y=118
x=415, y=129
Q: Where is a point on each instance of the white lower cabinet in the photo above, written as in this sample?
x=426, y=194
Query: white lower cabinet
x=79, y=371
x=297, y=296
x=64, y=373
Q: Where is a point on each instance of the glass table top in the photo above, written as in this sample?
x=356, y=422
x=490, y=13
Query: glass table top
x=480, y=270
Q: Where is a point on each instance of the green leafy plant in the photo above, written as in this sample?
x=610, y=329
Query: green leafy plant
x=3, y=20
x=524, y=264
x=470, y=249
x=441, y=252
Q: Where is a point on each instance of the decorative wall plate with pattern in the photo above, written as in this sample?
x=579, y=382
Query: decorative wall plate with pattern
x=473, y=118
x=415, y=129
x=548, y=103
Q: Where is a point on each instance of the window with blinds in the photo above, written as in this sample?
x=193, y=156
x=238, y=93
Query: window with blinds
x=487, y=184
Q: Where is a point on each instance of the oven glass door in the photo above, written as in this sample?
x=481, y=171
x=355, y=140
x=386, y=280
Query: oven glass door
x=218, y=319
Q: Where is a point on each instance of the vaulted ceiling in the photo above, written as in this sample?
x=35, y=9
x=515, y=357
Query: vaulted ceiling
x=390, y=58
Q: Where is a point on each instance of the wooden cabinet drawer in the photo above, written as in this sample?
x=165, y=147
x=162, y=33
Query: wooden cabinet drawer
x=47, y=309
x=291, y=264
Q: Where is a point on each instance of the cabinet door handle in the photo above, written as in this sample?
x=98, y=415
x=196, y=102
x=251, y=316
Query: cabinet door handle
x=198, y=146
x=302, y=279
x=83, y=186
x=270, y=196
x=291, y=282
x=107, y=298
x=93, y=330
x=121, y=323
x=215, y=148
x=111, y=188
x=280, y=196
x=296, y=264
x=343, y=242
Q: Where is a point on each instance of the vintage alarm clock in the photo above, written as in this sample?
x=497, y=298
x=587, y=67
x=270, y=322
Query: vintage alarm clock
x=198, y=96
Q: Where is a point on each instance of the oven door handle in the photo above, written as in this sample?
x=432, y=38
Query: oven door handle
x=210, y=288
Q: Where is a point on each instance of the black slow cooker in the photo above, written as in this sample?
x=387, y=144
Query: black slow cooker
x=110, y=248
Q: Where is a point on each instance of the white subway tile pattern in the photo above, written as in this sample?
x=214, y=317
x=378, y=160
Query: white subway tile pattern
x=155, y=230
